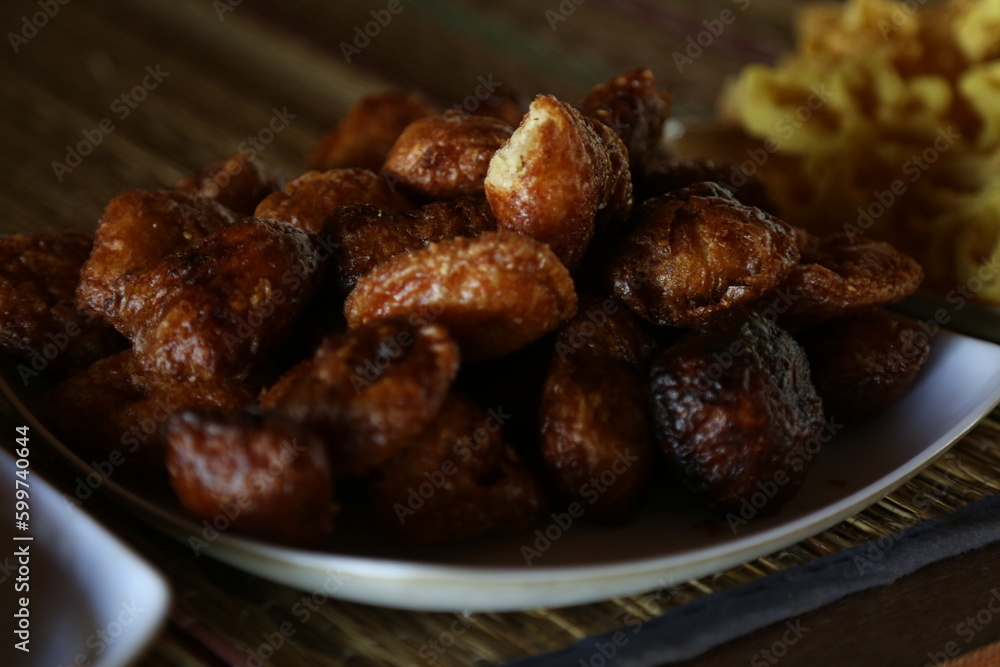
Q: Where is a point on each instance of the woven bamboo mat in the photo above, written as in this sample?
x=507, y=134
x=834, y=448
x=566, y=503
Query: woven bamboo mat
x=227, y=73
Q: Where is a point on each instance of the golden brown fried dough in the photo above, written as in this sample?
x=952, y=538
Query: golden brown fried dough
x=445, y=157
x=370, y=391
x=238, y=182
x=307, y=200
x=115, y=410
x=139, y=227
x=665, y=176
x=364, y=236
x=631, y=105
x=697, y=253
x=862, y=365
x=266, y=478
x=495, y=293
x=458, y=479
x=596, y=433
x=840, y=276
x=556, y=176
x=216, y=309
x=736, y=414
x=368, y=130
x=39, y=321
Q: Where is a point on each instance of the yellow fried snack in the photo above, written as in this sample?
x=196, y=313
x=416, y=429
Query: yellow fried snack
x=883, y=122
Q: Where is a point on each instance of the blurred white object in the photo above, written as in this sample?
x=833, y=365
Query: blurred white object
x=92, y=602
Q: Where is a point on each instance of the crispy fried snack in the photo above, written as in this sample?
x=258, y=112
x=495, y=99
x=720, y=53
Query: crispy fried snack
x=839, y=277
x=631, y=105
x=214, y=310
x=484, y=487
x=238, y=182
x=124, y=408
x=495, y=293
x=275, y=474
x=863, y=365
x=733, y=408
x=665, y=176
x=368, y=130
x=596, y=443
x=139, y=227
x=557, y=176
x=39, y=321
x=370, y=391
x=307, y=200
x=445, y=157
x=364, y=236
x=697, y=253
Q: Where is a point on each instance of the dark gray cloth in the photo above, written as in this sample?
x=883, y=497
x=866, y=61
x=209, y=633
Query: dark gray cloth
x=692, y=629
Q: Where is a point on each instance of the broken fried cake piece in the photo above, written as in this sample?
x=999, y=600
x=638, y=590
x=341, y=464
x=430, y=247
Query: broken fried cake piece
x=558, y=178
x=217, y=308
x=276, y=473
x=238, y=182
x=696, y=254
x=138, y=227
x=369, y=391
x=39, y=320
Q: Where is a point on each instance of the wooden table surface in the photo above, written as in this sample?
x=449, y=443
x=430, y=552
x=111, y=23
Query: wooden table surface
x=210, y=73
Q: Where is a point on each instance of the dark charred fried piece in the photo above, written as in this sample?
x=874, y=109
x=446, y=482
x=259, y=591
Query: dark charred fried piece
x=558, y=177
x=631, y=105
x=370, y=391
x=841, y=276
x=137, y=228
x=665, y=176
x=238, y=182
x=503, y=102
x=364, y=236
x=697, y=253
x=268, y=478
x=368, y=130
x=512, y=386
x=735, y=412
x=115, y=410
x=445, y=157
x=214, y=310
x=863, y=365
x=477, y=483
x=307, y=200
x=495, y=294
x=596, y=434
x=39, y=321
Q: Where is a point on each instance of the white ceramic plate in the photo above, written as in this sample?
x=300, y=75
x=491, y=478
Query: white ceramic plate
x=91, y=600
x=671, y=541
